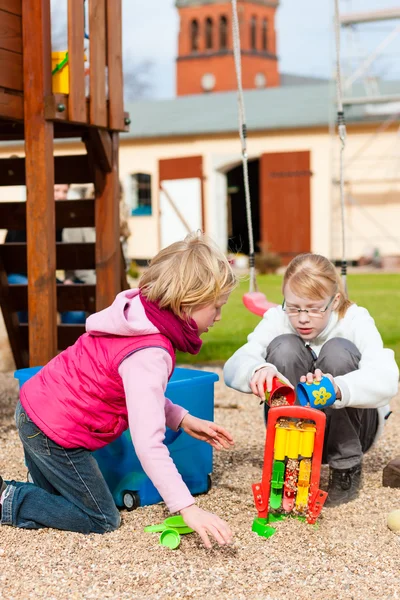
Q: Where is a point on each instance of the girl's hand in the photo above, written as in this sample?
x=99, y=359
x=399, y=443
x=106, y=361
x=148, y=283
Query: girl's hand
x=265, y=375
x=206, y=523
x=318, y=375
x=206, y=431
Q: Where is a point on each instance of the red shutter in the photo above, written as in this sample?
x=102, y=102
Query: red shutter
x=285, y=212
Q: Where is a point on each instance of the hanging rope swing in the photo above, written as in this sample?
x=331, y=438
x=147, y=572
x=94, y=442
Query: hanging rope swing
x=254, y=300
x=342, y=136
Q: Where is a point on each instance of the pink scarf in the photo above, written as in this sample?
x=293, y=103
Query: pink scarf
x=182, y=334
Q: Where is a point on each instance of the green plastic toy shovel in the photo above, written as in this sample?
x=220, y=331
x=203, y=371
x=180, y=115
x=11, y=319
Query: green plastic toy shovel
x=175, y=522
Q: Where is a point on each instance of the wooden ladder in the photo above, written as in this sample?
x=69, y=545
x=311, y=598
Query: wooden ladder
x=69, y=256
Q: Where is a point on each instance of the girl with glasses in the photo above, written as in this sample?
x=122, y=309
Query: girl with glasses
x=317, y=331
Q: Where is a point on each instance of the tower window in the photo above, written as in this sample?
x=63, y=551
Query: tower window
x=223, y=33
x=264, y=43
x=194, y=35
x=209, y=33
x=253, y=33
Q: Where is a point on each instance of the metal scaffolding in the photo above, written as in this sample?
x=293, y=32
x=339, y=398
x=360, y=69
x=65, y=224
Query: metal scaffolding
x=372, y=161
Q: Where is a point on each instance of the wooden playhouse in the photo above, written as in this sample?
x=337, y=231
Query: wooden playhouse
x=30, y=111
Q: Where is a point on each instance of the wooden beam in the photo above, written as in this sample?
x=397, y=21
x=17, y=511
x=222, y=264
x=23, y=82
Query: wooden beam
x=66, y=169
x=69, y=213
x=76, y=99
x=10, y=32
x=97, y=27
x=11, y=76
x=108, y=254
x=12, y=6
x=101, y=148
x=66, y=334
x=114, y=62
x=69, y=297
x=57, y=110
x=71, y=256
x=40, y=216
x=11, y=106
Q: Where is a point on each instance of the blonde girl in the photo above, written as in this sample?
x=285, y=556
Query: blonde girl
x=112, y=378
x=317, y=331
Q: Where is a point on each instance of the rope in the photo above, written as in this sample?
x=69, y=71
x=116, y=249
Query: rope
x=342, y=136
x=243, y=139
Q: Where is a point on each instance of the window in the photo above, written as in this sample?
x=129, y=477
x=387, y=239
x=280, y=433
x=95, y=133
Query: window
x=253, y=33
x=140, y=184
x=209, y=33
x=194, y=35
x=223, y=33
x=264, y=42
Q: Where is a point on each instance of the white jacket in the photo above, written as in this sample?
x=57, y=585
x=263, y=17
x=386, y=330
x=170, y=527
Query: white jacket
x=372, y=385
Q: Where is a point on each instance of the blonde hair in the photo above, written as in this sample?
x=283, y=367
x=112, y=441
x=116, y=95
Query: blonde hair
x=188, y=274
x=313, y=276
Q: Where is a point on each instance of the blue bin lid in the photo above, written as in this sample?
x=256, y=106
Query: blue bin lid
x=184, y=377
x=24, y=374
x=180, y=377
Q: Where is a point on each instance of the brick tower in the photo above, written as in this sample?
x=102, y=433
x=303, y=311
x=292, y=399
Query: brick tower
x=205, y=58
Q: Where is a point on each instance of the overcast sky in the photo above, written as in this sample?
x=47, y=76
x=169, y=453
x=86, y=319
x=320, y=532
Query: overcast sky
x=304, y=31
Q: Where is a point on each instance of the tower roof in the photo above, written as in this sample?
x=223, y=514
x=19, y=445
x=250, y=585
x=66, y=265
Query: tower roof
x=186, y=3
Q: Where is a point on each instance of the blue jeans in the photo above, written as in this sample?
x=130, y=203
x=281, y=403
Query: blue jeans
x=74, y=317
x=68, y=493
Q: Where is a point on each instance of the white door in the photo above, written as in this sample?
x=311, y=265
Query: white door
x=180, y=208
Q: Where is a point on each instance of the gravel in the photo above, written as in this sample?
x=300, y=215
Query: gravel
x=349, y=554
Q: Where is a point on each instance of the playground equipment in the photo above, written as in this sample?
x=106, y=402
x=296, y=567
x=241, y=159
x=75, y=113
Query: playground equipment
x=292, y=462
x=31, y=111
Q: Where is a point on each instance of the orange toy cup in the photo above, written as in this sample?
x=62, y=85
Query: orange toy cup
x=280, y=388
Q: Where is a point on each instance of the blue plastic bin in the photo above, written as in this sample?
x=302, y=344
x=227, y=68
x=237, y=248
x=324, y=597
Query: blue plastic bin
x=130, y=486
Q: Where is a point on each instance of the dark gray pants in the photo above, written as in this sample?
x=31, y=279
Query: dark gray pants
x=349, y=431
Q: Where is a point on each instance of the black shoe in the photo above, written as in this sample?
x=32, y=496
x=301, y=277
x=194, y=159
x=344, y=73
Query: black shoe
x=344, y=485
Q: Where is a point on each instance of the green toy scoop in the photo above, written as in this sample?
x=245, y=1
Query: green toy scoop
x=170, y=538
x=175, y=522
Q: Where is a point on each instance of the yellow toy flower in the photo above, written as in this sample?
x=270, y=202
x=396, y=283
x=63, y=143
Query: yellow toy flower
x=321, y=396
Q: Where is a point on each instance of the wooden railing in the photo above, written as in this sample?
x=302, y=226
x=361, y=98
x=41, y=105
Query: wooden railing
x=104, y=107
x=105, y=65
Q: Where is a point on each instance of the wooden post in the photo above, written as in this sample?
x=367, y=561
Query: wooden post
x=114, y=61
x=40, y=213
x=108, y=254
x=76, y=98
x=97, y=68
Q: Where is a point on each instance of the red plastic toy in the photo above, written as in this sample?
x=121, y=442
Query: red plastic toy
x=292, y=464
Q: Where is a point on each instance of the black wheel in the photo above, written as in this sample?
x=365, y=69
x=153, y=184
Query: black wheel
x=131, y=500
x=209, y=482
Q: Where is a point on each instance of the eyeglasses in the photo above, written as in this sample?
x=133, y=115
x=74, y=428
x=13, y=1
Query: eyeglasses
x=292, y=311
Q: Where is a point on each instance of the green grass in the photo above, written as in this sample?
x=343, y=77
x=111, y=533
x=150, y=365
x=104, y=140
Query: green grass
x=379, y=293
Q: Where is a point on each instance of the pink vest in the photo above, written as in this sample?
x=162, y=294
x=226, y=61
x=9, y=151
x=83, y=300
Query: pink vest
x=78, y=398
